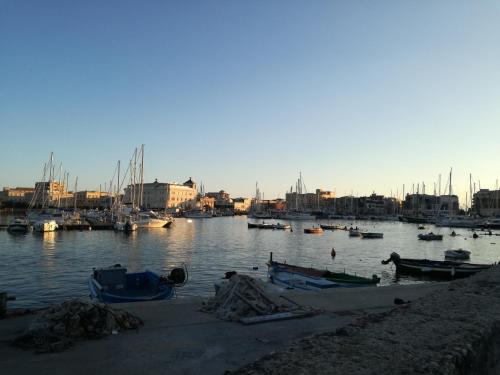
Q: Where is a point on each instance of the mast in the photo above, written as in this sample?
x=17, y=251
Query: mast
x=76, y=187
x=141, y=193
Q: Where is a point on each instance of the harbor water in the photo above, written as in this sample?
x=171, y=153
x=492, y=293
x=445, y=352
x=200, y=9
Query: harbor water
x=40, y=269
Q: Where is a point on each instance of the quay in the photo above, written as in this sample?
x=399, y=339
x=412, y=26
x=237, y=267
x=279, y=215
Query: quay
x=179, y=339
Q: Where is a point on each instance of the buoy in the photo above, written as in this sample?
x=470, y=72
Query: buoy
x=333, y=252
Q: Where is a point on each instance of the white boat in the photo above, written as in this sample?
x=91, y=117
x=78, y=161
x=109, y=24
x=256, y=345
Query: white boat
x=19, y=225
x=457, y=254
x=297, y=216
x=151, y=220
x=458, y=222
x=45, y=226
x=198, y=214
x=125, y=226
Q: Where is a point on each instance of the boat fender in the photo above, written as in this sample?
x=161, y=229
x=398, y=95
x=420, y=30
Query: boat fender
x=177, y=275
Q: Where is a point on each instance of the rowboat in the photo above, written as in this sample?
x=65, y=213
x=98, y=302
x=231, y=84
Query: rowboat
x=371, y=235
x=457, y=254
x=440, y=269
x=313, y=230
x=331, y=227
x=291, y=276
x=114, y=284
x=354, y=233
x=430, y=237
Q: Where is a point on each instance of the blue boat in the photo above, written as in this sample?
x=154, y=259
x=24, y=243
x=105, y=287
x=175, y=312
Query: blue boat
x=114, y=284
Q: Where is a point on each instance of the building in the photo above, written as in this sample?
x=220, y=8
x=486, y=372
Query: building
x=18, y=196
x=241, y=205
x=308, y=201
x=430, y=205
x=222, y=200
x=162, y=195
x=486, y=202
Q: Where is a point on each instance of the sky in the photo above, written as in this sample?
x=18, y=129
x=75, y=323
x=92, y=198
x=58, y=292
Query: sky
x=359, y=96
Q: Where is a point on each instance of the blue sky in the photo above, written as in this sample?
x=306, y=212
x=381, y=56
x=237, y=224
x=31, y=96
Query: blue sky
x=360, y=96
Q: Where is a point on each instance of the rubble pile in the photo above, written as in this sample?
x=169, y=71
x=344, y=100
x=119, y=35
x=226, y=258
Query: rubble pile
x=241, y=297
x=58, y=327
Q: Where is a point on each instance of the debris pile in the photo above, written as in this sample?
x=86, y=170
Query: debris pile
x=241, y=297
x=58, y=327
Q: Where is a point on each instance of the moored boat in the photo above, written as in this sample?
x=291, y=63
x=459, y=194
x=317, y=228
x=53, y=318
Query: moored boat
x=313, y=230
x=310, y=278
x=331, y=227
x=151, y=220
x=354, y=233
x=371, y=235
x=282, y=226
x=430, y=237
x=114, y=284
x=45, y=226
x=457, y=254
x=435, y=268
x=125, y=226
x=19, y=226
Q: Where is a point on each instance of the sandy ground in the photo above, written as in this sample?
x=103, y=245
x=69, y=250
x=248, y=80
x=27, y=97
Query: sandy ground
x=179, y=339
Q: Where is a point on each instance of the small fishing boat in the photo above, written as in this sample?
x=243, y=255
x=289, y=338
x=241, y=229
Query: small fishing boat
x=371, y=235
x=331, y=227
x=435, y=268
x=354, y=233
x=113, y=284
x=457, y=254
x=282, y=226
x=313, y=230
x=253, y=225
x=298, y=277
x=430, y=237
x=19, y=226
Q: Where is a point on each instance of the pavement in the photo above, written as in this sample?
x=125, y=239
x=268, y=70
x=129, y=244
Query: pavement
x=179, y=339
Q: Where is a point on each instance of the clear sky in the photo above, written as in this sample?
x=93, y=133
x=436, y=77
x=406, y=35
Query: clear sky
x=360, y=96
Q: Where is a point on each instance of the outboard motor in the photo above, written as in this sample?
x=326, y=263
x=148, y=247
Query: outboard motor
x=177, y=276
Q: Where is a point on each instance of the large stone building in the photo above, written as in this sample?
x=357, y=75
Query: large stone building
x=486, y=202
x=241, y=205
x=308, y=201
x=430, y=205
x=162, y=195
x=18, y=196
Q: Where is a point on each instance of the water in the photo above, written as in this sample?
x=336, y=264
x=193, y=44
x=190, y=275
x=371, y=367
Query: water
x=46, y=268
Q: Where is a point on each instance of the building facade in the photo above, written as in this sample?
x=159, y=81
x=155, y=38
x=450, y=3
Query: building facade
x=163, y=195
x=486, y=202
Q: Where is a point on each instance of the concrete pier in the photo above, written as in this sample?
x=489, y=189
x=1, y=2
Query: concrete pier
x=178, y=339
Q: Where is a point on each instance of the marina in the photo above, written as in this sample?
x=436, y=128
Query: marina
x=43, y=268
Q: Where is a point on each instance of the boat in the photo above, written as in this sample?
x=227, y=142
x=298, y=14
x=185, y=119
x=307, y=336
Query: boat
x=19, y=226
x=332, y=227
x=125, y=226
x=313, y=230
x=151, y=220
x=354, y=233
x=297, y=215
x=45, y=226
x=491, y=223
x=458, y=222
x=282, y=226
x=291, y=276
x=198, y=214
x=430, y=237
x=253, y=225
x=114, y=284
x=420, y=227
x=435, y=268
x=457, y=254
x=371, y=235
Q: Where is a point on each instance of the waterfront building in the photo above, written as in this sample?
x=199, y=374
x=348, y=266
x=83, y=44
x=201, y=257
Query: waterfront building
x=162, y=195
x=49, y=194
x=308, y=201
x=430, y=205
x=18, y=196
x=222, y=200
x=241, y=205
x=486, y=202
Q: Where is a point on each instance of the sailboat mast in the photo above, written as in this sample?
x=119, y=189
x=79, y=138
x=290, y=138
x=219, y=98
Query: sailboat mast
x=141, y=196
x=76, y=189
